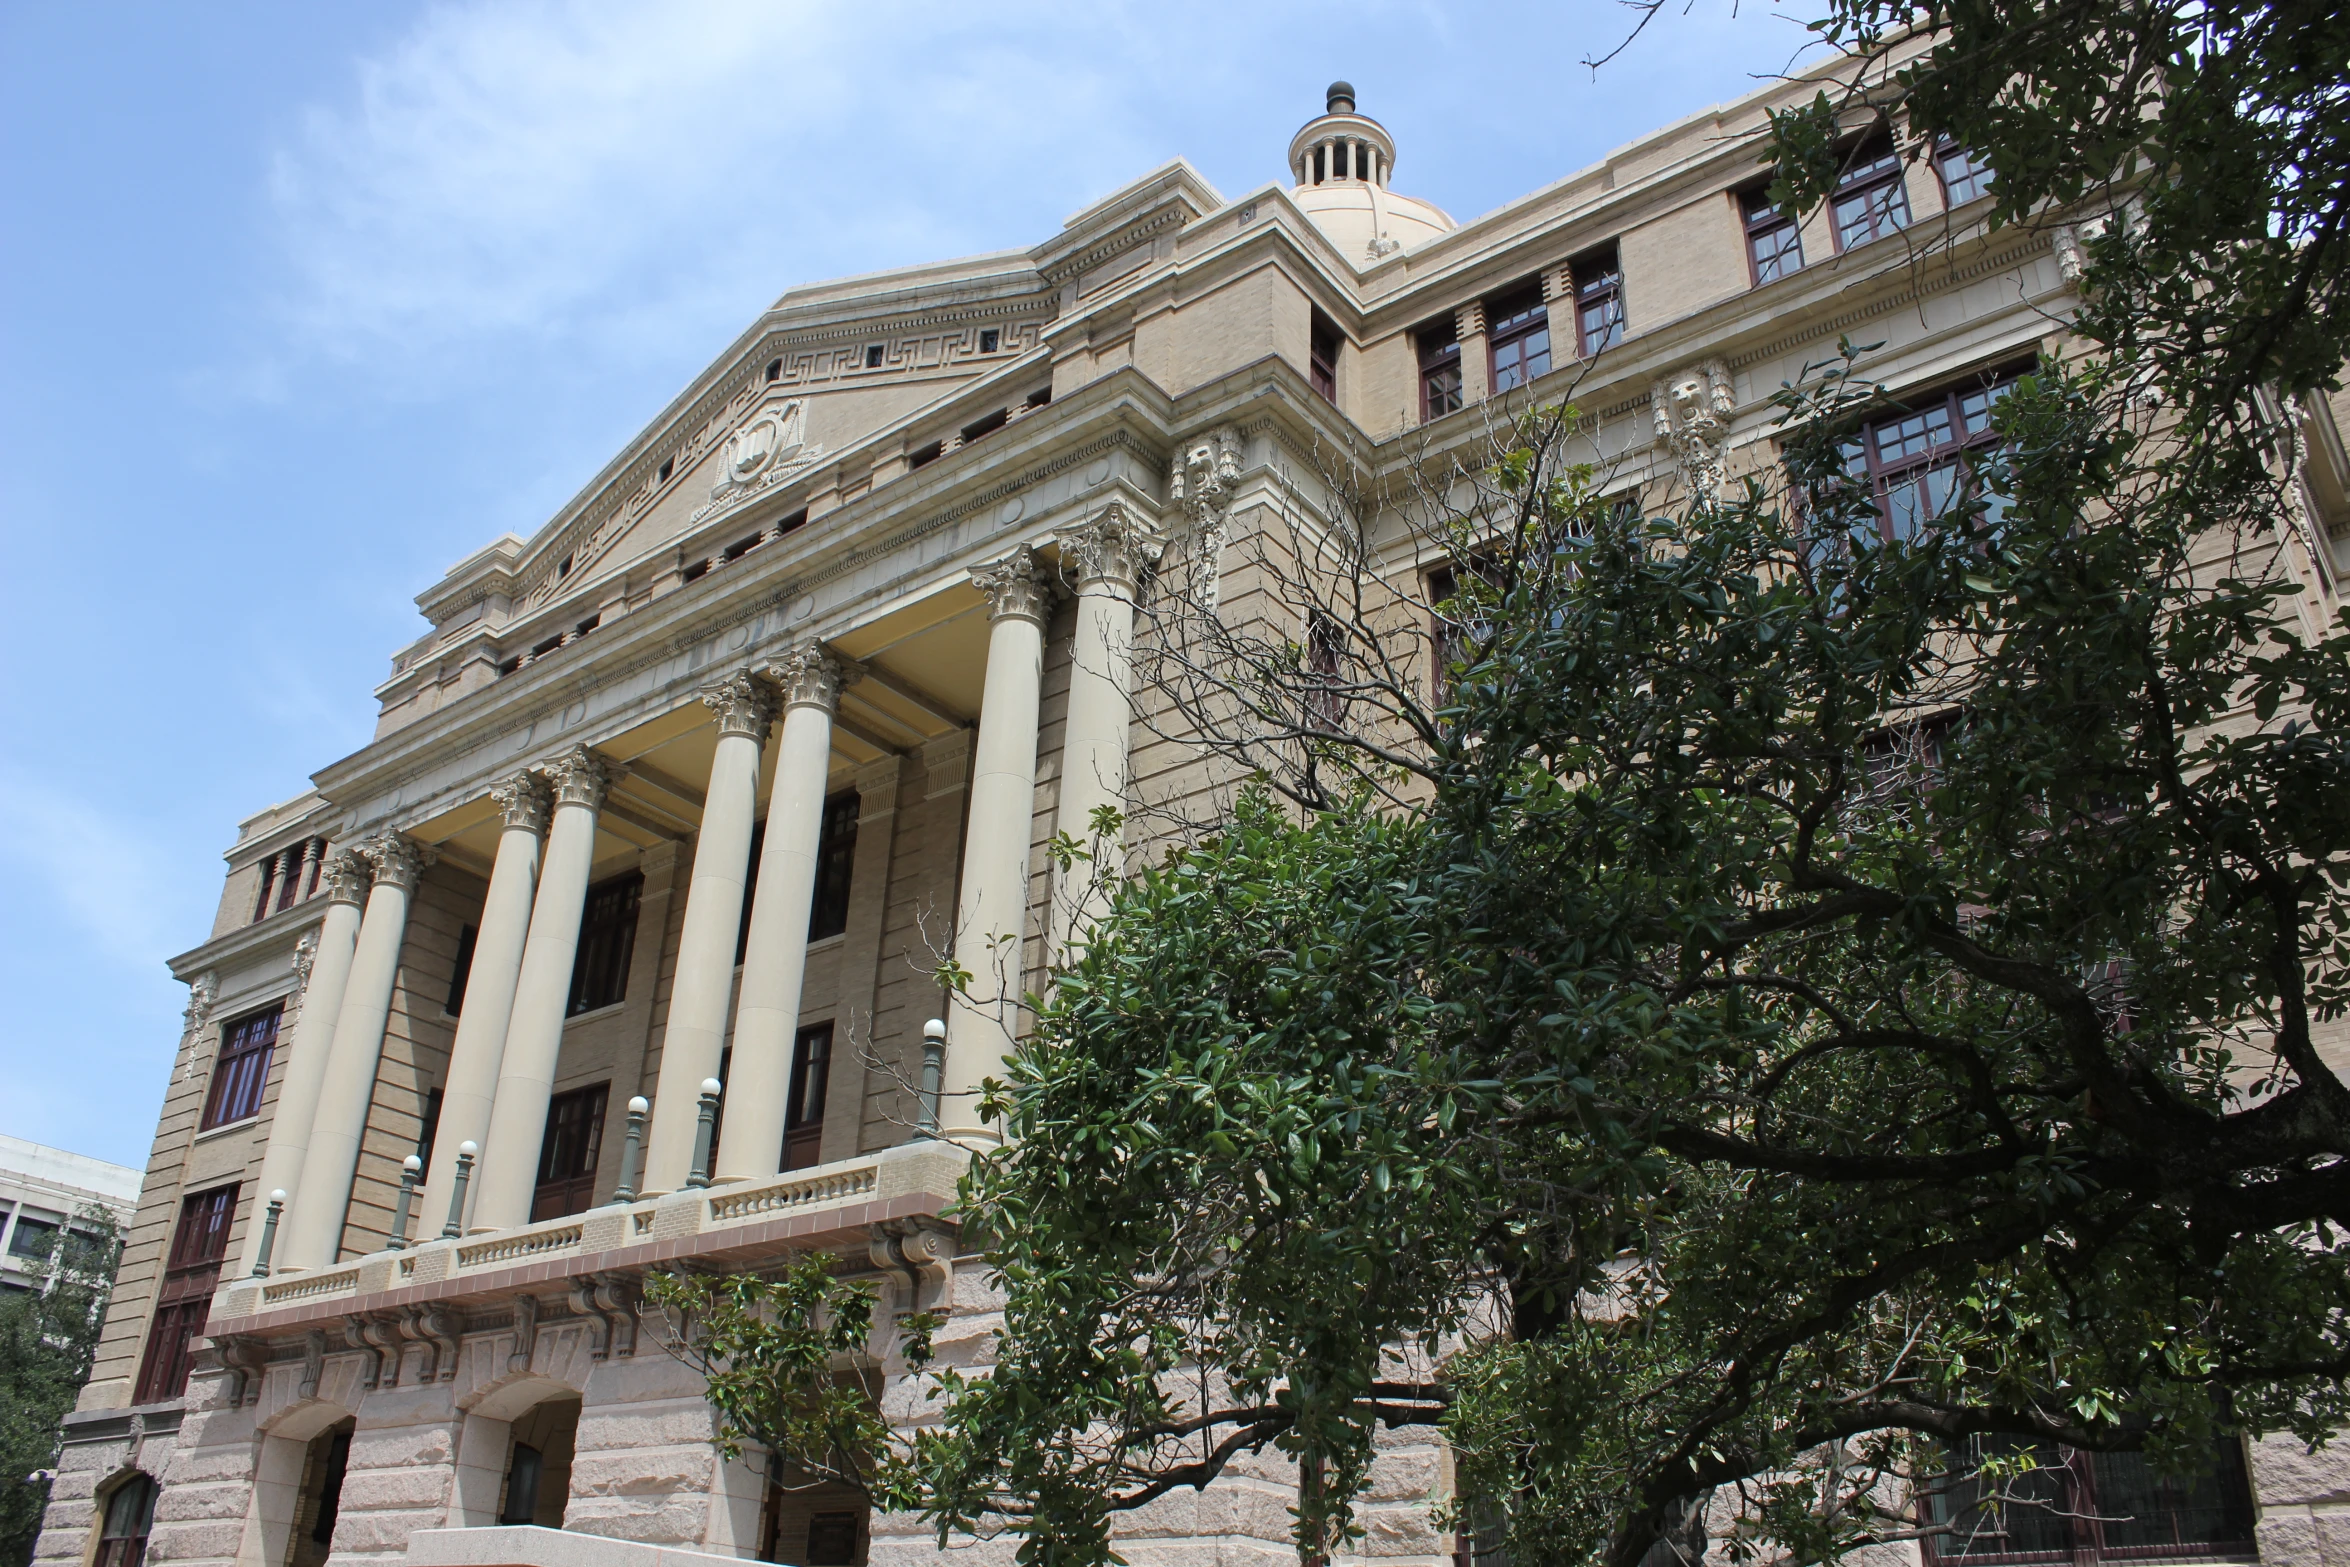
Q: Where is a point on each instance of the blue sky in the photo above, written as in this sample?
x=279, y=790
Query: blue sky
x=301, y=302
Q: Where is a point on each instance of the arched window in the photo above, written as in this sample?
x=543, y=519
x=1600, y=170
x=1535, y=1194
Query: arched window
x=130, y=1513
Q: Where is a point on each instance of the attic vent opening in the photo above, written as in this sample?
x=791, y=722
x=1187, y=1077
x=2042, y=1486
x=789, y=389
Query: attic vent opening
x=873, y=356
x=668, y=467
x=563, y=568
x=990, y=340
x=741, y=547
x=1038, y=398
x=797, y=519
x=925, y=454
x=774, y=371
x=542, y=649
x=986, y=426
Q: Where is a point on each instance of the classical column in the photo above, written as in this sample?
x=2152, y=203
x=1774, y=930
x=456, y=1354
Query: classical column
x=696, y=1032
x=314, y=1032
x=1108, y=552
x=489, y=990
x=313, y=1230
x=991, y=917
x=508, y=1172
x=777, y=959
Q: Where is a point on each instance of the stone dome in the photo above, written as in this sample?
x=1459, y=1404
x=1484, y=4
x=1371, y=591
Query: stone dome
x=1341, y=161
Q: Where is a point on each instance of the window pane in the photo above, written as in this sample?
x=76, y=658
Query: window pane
x=1964, y=176
x=2015, y=1516
x=2142, y=1513
x=31, y=1237
x=607, y=937
x=836, y=862
x=1778, y=251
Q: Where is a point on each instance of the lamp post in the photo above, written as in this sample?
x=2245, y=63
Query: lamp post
x=410, y=1169
x=630, y=1147
x=277, y=1206
x=934, y=1061
x=456, y=1225
x=703, y=1127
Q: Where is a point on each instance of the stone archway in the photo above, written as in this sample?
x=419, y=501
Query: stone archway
x=514, y=1454
x=297, y=1485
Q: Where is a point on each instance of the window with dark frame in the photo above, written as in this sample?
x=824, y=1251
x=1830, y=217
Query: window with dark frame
x=986, y=425
x=1920, y=458
x=461, y=970
x=990, y=339
x=1870, y=201
x=2072, y=1506
x=241, y=1069
x=567, y=1153
x=873, y=356
x=607, y=939
x=803, y=1105
x=130, y=1517
x=1439, y=346
x=1598, y=281
x=1322, y=354
x=836, y=863
x=191, y=1270
x=922, y=456
x=1518, y=332
x=774, y=371
x=1774, y=241
x=1965, y=177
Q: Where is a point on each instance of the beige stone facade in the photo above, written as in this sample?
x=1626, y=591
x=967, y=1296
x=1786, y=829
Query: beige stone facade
x=854, y=555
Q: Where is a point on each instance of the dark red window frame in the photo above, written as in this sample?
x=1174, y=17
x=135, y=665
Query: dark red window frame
x=191, y=1271
x=803, y=1103
x=607, y=940
x=240, y=1070
x=1439, y=346
x=1915, y=457
x=2094, y=1507
x=1965, y=177
x=1871, y=200
x=1774, y=240
x=1323, y=338
x=129, y=1518
x=836, y=865
x=1517, y=336
x=1598, y=279
x=567, y=1152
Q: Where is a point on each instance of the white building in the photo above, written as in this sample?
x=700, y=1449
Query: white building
x=42, y=1190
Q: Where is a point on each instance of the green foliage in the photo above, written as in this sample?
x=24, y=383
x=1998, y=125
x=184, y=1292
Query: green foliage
x=47, y=1339
x=785, y=1360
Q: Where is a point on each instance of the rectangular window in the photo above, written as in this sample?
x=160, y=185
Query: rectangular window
x=803, y=1105
x=242, y=1067
x=1870, y=201
x=836, y=862
x=1599, y=300
x=1965, y=177
x=1916, y=458
x=607, y=938
x=1322, y=352
x=1774, y=244
x=2069, y=1507
x=1439, y=345
x=990, y=339
x=461, y=970
x=567, y=1153
x=191, y=1269
x=1518, y=327
x=32, y=1237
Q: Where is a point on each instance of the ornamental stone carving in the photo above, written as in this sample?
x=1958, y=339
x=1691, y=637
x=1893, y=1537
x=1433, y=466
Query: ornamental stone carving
x=524, y=801
x=1014, y=586
x=765, y=450
x=1692, y=412
x=397, y=859
x=203, y=992
x=347, y=874
x=579, y=777
x=305, y=957
x=744, y=703
x=1111, y=550
x=809, y=676
x=1202, y=483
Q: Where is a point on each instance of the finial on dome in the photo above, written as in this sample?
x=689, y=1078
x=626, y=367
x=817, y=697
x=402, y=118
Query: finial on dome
x=1341, y=99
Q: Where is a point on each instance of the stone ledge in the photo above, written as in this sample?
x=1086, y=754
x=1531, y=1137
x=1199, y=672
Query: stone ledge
x=528, y=1545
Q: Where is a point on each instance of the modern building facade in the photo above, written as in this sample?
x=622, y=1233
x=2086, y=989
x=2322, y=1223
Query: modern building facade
x=43, y=1192
x=619, y=938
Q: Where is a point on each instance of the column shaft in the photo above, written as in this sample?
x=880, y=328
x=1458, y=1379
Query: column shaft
x=311, y=1236
x=991, y=918
x=775, y=967
x=507, y=1174
x=1108, y=552
x=696, y=1031
x=472, y=1082
x=306, y=1054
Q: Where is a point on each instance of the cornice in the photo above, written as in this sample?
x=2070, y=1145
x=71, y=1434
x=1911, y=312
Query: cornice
x=249, y=942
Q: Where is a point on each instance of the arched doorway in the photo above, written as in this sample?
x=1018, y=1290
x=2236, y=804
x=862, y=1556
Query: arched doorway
x=318, y=1500
x=538, y=1463
x=124, y=1518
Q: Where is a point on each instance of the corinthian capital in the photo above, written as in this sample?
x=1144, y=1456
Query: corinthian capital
x=809, y=676
x=347, y=875
x=1111, y=550
x=398, y=860
x=525, y=801
x=744, y=705
x=1013, y=585
x=579, y=777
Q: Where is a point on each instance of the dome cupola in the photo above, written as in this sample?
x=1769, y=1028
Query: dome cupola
x=1341, y=160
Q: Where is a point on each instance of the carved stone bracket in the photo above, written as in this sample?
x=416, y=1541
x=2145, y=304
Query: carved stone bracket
x=441, y=1327
x=203, y=992
x=245, y=1358
x=526, y=1332
x=1202, y=483
x=1014, y=586
x=524, y=801
x=381, y=1342
x=313, y=1362
x=609, y=1301
x=1691, y=411
x=744, y=703
x=579, y=777
x=305, y=957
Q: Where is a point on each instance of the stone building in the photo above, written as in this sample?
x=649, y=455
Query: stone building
x=697, y=785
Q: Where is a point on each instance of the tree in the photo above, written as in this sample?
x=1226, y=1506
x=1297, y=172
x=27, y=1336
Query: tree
x=47, y=1338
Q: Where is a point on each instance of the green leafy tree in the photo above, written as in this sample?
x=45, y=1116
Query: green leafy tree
x=47, y=1338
